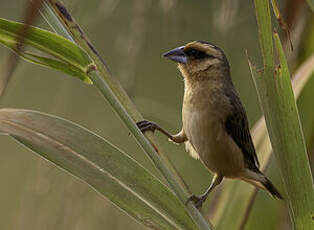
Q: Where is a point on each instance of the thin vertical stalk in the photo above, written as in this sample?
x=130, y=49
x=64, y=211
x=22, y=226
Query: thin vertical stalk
x=12, y=61
x=283, y=123
x=110, y=88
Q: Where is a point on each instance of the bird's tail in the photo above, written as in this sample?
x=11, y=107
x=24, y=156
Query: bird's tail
x=271, y=189
x=260, y=180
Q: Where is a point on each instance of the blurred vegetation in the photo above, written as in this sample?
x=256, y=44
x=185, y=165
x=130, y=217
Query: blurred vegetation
x=131, y=36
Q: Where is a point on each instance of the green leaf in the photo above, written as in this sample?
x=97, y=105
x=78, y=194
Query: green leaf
x=288, y=142
x=57, y=65
x=67, y=56
x=283, y=123
x=100, y=164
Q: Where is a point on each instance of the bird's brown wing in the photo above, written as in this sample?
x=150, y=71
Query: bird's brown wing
x=237, y=127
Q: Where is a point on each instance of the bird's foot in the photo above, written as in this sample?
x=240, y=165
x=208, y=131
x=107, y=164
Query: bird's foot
x=197, y=200
x=147, y=126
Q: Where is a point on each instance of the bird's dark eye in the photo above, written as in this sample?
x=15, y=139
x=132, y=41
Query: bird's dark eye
x=197, y=54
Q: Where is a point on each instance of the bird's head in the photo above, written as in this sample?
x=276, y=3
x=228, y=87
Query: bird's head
x=198, y=57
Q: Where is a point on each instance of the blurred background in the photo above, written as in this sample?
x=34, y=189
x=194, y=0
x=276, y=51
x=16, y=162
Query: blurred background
x=131, y=36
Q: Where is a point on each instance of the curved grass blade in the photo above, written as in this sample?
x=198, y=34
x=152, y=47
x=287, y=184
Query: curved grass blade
x=100, y=164
x=57, y=65
x=45, y=61
x=68, y=57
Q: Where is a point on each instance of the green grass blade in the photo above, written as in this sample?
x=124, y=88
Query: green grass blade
x=67, y=68
x=283, y=123
x=100, y=164
x=66, y=53
x=56, y=65
x=265, y=34
x=47, y=13
x=289, y=145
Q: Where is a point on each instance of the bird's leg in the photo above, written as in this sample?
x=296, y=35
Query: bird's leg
x=199, y=200
x=152, y=126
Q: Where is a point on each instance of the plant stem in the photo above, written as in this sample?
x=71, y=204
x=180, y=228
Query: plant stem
x=109, y=95
x=121, y=103
x=283, y=123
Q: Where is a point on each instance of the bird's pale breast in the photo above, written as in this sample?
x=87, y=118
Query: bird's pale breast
x=204, y=128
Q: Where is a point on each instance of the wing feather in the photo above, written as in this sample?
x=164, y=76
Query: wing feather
x=237, y=127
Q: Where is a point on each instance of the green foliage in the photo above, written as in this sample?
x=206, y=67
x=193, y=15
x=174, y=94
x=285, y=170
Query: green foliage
x=118, y=177
x=67, y=56
x=282, y=119
x=100, y=164
x=73, y=60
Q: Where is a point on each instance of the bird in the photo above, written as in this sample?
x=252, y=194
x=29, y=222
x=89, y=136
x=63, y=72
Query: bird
x=215, y=127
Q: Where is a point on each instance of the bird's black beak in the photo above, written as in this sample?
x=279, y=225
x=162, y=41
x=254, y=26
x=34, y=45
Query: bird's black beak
x=177, y=55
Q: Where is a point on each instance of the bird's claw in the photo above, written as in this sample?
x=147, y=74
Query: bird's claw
x=146, y=126
x=197, y=200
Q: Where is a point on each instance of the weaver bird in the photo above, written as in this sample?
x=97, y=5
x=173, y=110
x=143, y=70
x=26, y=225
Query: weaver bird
x=215, y=126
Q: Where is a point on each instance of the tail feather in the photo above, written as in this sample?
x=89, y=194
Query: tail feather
x=271, y=189
x=258, y=179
